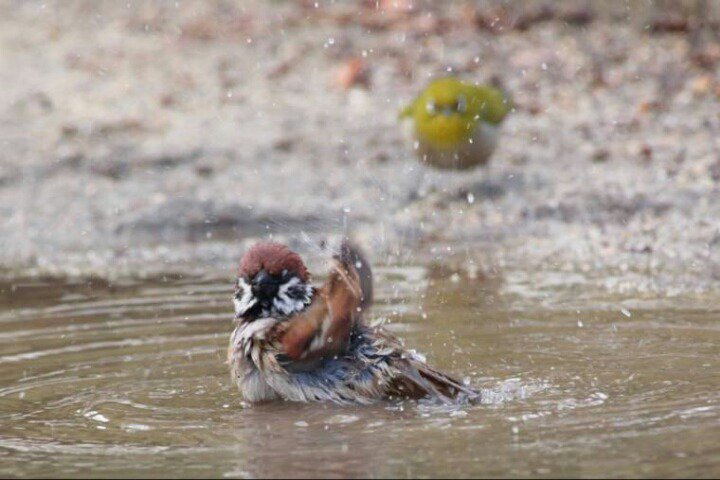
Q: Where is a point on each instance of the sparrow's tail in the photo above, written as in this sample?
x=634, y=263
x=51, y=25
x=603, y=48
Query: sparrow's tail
x=447, y=386
x=351, y=256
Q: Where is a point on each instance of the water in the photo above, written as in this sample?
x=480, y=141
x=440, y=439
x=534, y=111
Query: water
x=130, y=380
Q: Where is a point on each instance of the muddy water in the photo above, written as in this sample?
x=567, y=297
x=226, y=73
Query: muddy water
x=129, y=380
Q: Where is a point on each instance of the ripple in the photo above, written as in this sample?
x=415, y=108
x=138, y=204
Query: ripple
x=138, y=372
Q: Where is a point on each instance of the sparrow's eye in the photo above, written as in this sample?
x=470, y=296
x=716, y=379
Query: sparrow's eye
x=430, y=107
x=461, y=104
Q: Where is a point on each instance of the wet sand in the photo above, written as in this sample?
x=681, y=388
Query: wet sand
x=146, y=138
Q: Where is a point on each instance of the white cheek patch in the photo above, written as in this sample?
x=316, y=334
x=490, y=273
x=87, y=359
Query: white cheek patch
x=246, y=300
x=285, y=304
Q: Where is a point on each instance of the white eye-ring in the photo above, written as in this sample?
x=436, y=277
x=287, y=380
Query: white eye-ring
x=430, y=107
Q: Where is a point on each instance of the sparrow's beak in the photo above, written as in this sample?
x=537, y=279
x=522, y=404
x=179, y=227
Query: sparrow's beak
x=264, y=285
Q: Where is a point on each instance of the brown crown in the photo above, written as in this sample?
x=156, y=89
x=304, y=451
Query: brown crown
x=273, y=258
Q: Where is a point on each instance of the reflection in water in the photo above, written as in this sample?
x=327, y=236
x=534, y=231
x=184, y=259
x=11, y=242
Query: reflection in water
x=130, y=380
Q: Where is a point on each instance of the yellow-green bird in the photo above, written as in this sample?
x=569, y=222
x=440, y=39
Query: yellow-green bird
x=456, y=124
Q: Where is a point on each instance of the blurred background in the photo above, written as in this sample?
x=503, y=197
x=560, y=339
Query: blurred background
x=144, y=145
x=142, y=137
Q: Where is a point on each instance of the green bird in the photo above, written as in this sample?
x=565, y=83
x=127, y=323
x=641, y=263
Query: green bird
x=456, y=124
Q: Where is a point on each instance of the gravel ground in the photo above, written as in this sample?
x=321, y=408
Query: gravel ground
x=146, y=137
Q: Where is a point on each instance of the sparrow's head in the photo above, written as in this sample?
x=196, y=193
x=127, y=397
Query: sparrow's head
x=272, y=281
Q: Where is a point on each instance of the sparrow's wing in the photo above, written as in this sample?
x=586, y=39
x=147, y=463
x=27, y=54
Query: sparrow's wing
x=352, y=258
x=324, y=328
x=412, y=377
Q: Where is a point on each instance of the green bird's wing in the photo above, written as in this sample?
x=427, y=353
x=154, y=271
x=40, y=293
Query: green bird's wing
x=408, y=111
x=489, y=103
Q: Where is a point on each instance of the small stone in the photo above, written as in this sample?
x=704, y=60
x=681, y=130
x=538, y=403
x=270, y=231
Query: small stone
x=600, y=155
x=646, y=153
x=354, y=72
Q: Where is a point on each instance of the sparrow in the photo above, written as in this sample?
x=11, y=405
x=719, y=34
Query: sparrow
x=297, y=342
x=456, y=125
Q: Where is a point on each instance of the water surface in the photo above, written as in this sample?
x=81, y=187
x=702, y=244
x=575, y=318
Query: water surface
x=129, y=380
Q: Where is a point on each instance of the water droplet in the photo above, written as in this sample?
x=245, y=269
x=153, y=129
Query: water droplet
x=136, y=427
x=98, y=417
x=342, y=419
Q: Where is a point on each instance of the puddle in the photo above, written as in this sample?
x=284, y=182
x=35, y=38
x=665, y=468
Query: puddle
x=130, y=380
